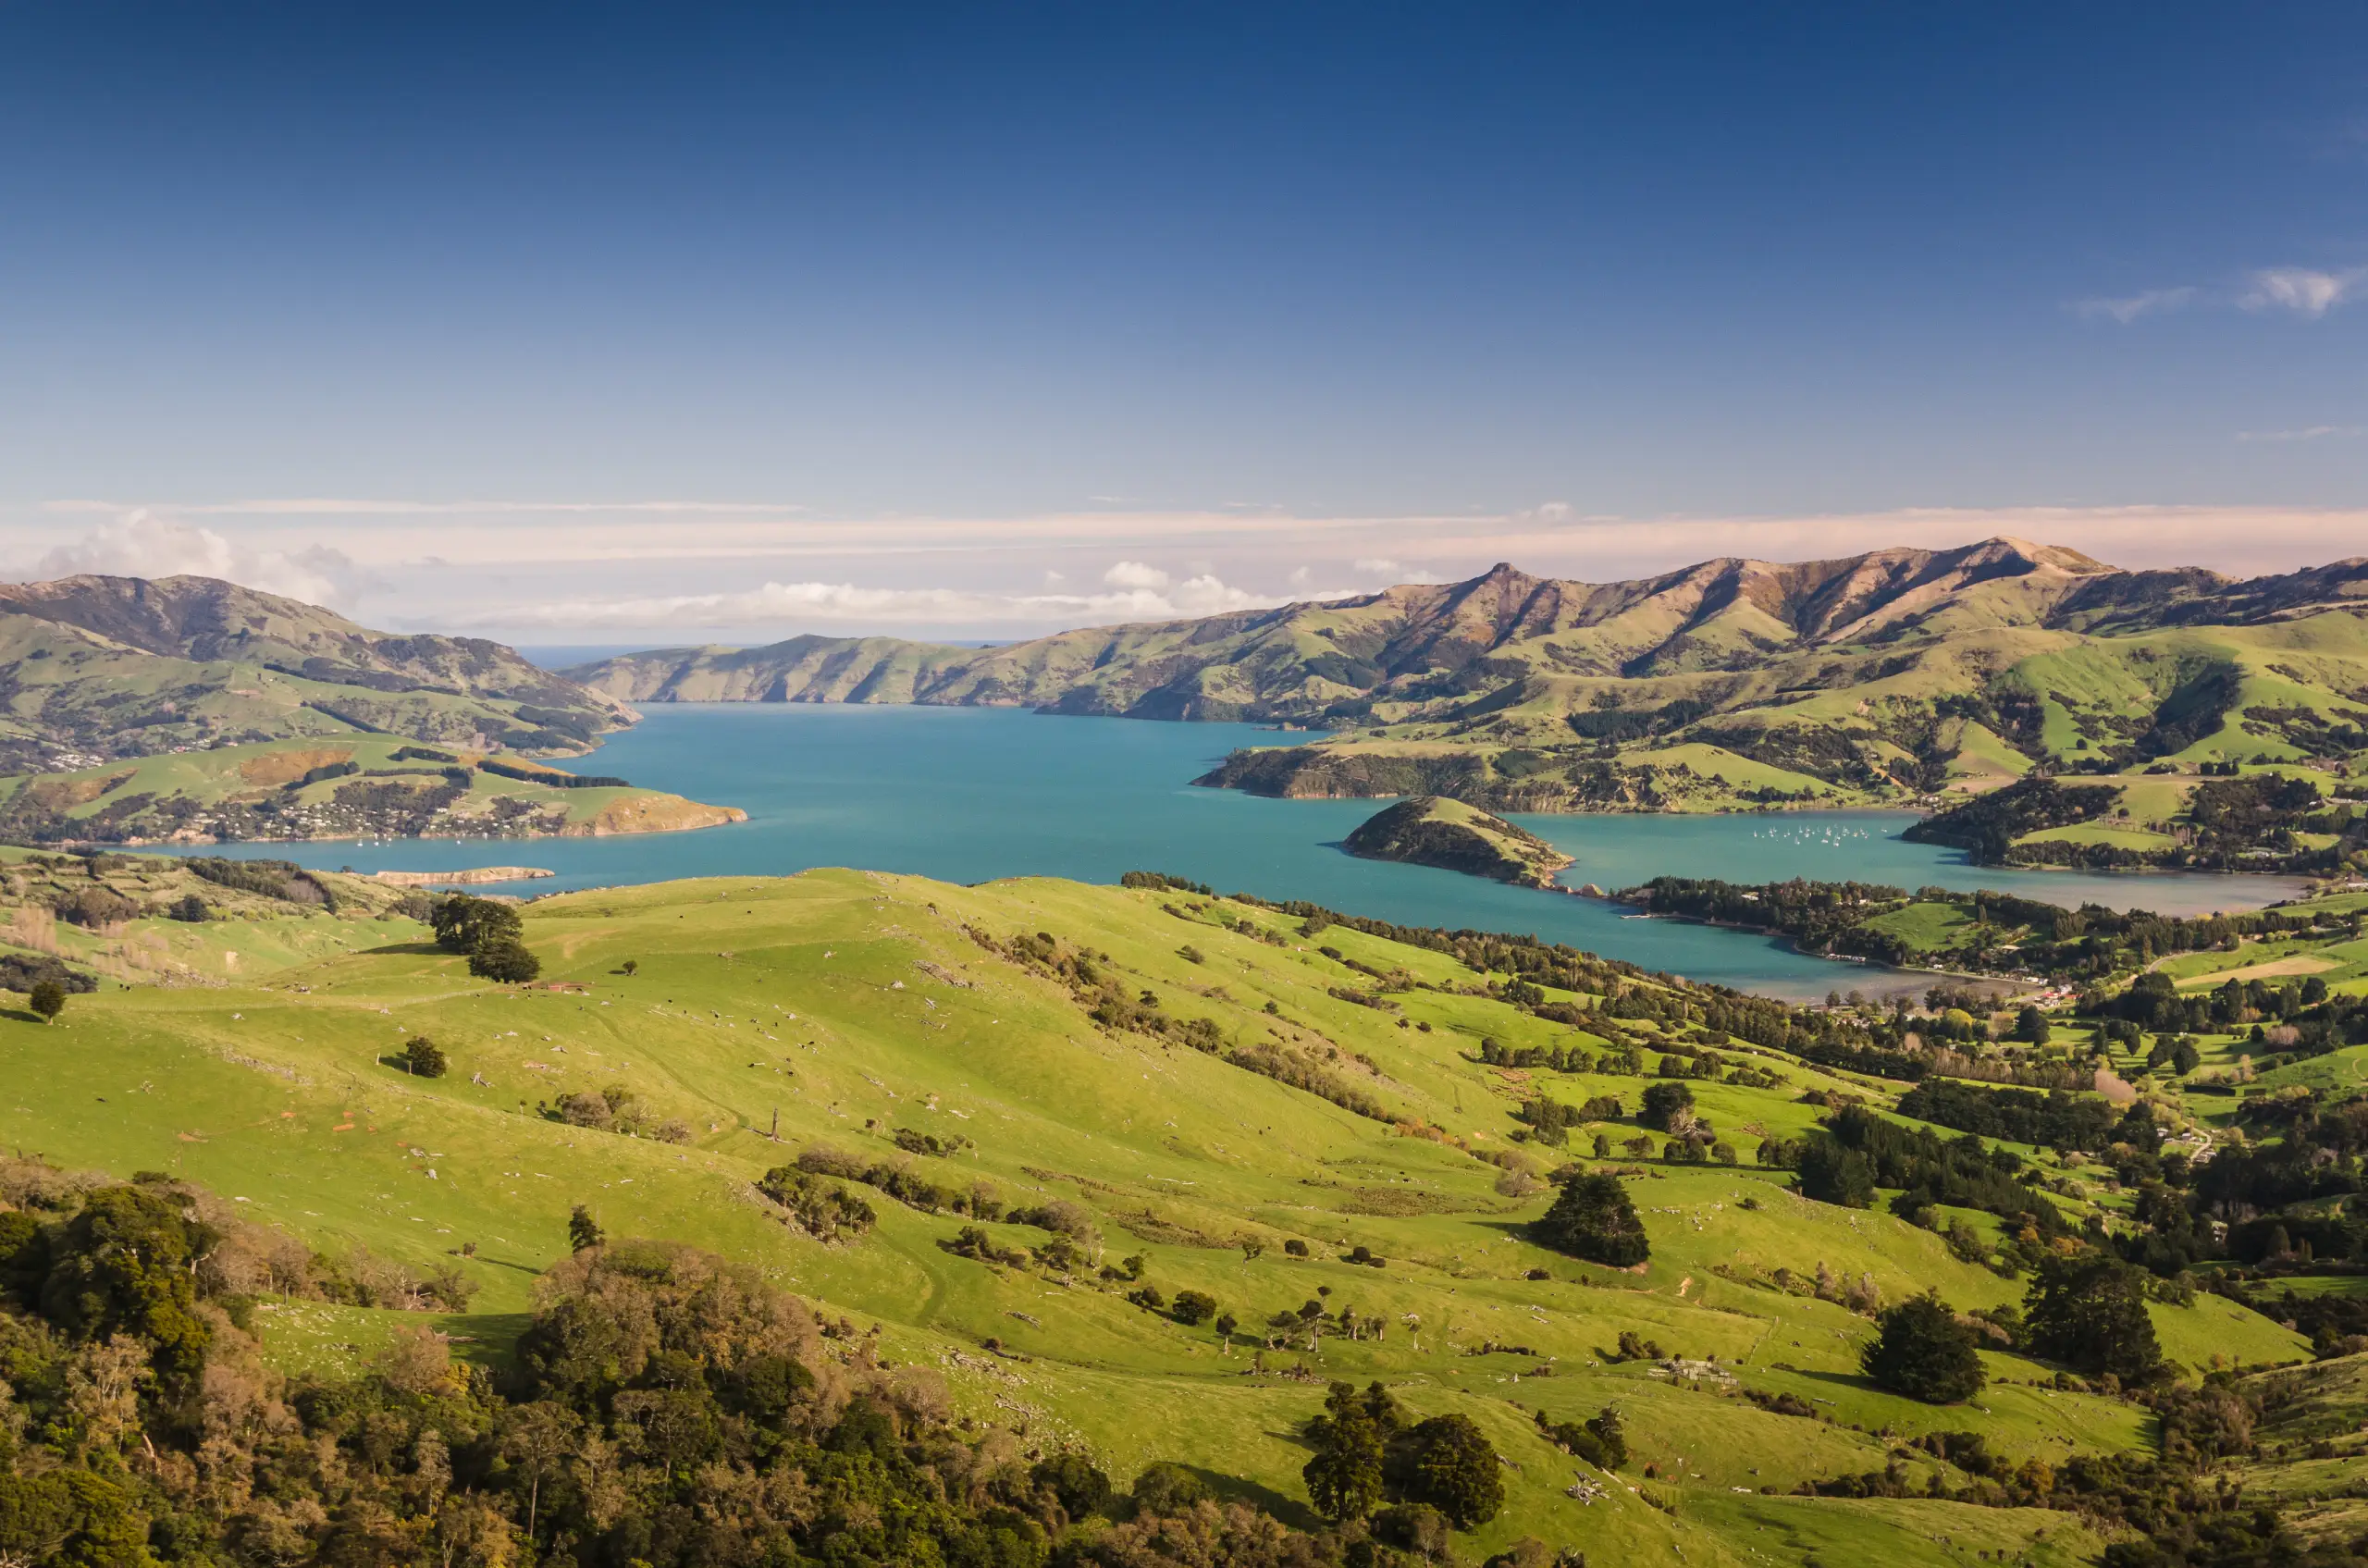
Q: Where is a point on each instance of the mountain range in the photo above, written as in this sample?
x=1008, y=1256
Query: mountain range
x=98, y=668
x=1882, y=677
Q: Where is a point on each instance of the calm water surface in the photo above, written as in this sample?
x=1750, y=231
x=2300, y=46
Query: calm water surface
x=966, y=795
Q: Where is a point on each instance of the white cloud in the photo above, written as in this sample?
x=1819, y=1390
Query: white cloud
x=1377, y=565
x=1135, y=574
x=2129, y=307
x=141, y=544
x=790, y=604
x=1301, y=576
x=2308, y=433
x=2302, y=289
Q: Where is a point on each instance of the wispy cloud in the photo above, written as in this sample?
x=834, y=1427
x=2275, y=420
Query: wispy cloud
x=2304, y=290
x=763, y=577
x=352, y=506
x=1137, y=598
x=2308, y=433
x=2130, y=307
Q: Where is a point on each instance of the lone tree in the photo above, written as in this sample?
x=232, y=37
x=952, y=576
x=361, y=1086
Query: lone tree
x=629, y=965
x=1592, y=1219
x=48, y=999
x=2089, y=1312
x=463, y=924
x=1924, y=1352
x=1663, y=1101
x=1192, y=1307
x=583, y=1230
x=424, y=1058
x=505, y=959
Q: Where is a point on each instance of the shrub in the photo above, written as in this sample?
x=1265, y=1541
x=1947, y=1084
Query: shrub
x=1192, y=1308
x=585, y=1108
x=824, y=1210
x=1168, y=1487
x=423, y=1057
x=1080, y=1488
x=93, y=907
x=48, y=999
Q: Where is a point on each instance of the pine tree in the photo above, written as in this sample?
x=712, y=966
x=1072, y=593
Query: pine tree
x=1923, y=1353
x=583, y=1230
x=1451, y=1464
x=2090, y=1313
x=1592, y=1219
x=48, y=999
x=1831, y=1174
x=1344, y=1480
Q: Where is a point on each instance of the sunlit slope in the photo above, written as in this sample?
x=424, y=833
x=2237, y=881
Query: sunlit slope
x=1884, y=677
x=127, y=666
x=852, y=1005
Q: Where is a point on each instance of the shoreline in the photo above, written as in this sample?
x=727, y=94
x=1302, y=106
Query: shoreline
x=1792, y=944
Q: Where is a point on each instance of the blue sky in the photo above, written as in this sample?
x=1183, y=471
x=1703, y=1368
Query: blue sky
x=550, y=319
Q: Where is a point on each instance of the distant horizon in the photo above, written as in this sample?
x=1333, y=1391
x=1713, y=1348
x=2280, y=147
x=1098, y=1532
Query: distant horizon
x=561, y=651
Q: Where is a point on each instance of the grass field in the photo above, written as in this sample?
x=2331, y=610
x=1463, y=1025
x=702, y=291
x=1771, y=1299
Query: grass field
x=841, y=1007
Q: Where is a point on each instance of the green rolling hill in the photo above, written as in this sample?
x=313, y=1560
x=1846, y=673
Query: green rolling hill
x=186, y=707
x=1066, y=1108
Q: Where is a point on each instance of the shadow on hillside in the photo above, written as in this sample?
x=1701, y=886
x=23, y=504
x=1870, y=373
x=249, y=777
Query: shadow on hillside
x=1857, y=1383
x=525, y=1268
x=1235, y=1489
x=22, y=1015
x=404, y=950
x=487, y=1340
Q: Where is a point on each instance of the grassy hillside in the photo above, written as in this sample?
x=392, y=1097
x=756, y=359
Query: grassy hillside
x=101, y=668
x=354, y=786
x=1894, y=676
x=187, y=708
x=1428, y=831
x=1222, y=1097
x=2274, y=817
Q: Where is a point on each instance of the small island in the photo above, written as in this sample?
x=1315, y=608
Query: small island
x=1431, y=830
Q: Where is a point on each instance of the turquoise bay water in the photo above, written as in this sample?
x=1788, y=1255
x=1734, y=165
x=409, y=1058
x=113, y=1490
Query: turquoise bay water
x=968, y=795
